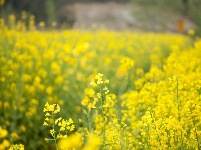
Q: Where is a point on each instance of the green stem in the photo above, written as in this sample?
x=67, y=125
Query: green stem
x=89, y=120
x=104, y=137
x=102, y=113
x=182, y=143
x=54, y=135
x=148, y=143
x=50, y=139
x=66, y=133
x=177, y=97
x=179, y=117
x=193, y=119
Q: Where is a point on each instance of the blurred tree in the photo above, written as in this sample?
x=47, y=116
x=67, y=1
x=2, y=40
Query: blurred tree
x=195, y=13
x=45, y=10
x=186, y=6
x=50, y=11
x=18, y=5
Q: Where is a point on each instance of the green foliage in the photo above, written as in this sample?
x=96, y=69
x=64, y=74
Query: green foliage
x=46, y=10
x=194, y=13
x=189, y=8
x=50, y=11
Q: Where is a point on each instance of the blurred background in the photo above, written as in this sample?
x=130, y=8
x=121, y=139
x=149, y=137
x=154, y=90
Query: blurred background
x=145, y=15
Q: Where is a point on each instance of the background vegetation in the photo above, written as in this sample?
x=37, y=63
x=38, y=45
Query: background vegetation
x=47, y=10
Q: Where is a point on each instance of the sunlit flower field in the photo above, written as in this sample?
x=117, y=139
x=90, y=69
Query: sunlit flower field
x=104, y=90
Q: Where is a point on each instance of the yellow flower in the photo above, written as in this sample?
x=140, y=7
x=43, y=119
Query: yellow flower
x=98, y=95
x=45, y=124
x=4, y=144
x=16, y=147
x=49, y=90
x=93, y=142
x=191, y=32
x=57, y=109
x=42, y=24
x=73, y=141
x=57, y=120
x=93, y=83
x=22, y=128
x=59, y=80
x=23, y=14
x=85, y=101
x=14, y=136
x=47, y=114
x=106, y=81
x=106, y=90
x=3, y=132
x=70, y=120
x=72, y=127
x=89, y=92
x=52, y=132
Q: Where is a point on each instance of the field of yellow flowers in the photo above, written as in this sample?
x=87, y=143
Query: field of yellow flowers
x=106, y=90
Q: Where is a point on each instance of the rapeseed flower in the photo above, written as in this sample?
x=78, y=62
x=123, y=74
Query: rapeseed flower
x=137, y=107
x=3, y=132
x=16, y=147
x=5, y=144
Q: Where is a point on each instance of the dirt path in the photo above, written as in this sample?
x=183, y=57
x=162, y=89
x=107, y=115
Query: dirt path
x=120, y=16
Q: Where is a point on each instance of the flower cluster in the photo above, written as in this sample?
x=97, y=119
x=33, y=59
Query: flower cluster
x=63, y=126
x=17, y=147
x=98, y=84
